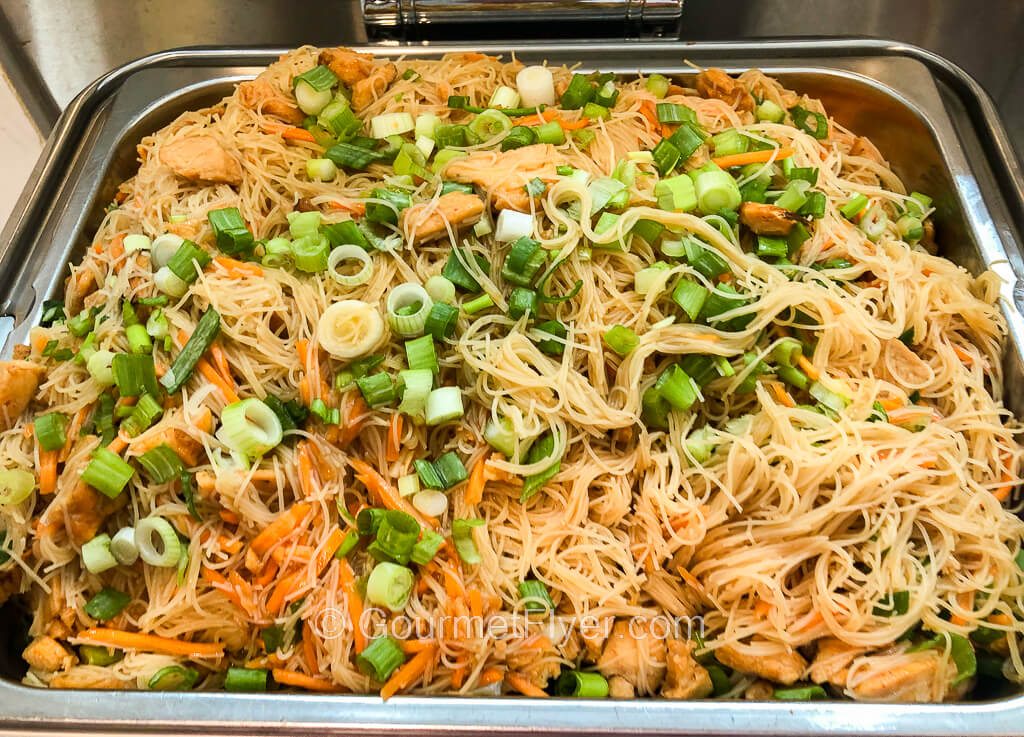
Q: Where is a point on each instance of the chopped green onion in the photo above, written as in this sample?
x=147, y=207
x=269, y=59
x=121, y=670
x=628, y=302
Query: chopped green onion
x=198, y=344
x=704, y=259
x=418, y=383
x=535, y=597
x=814, y=206
x=440, y=289
x=320, y=78
x=426, y=548
x=138, y=339
x=249, y=427
x=428, y=475
x=657, y=85
x=456, y=273
x=51, y=430
x=554, y=344
x=541, y=450
x=522, y=301
x=621, y=339
x=596, y=112
x=687, y=139
x=607, y=95
x=910, y=227
x=380, y=658
x=245, y=679
x=173, y=678
x=666, y=156
x=518, y=137
x=579, y=92
x=352, y=157
x=450, y=469
x=107, y=604
x=827, y=396
x=142, y=415
x=158, y=542
x=391, y=124
x=123, y=546
x=730, y=142
x=649, y=230
x=669, y=112
x=396, y=535
x=462, y=537
x=772, y=246
x=716, y=190
x=344, y=233
x=769, y=112
x=803, y=693
x=444, y=404
x=408, y=306
x=229, y=231
x=582, y=685
x=421, y=354
x=602, y=190
x=183, y=262
x=389, y=585
x=551, y=132
x=107, y=473
x=501, y=436
x=800, y=119
x=442, y=320
x=16, y=485
x=675, y=387
x=690, y=296
x=490, y=123
x=377, y=389
x=794, y=196
x=857, y=203
x=162, y=463
x=96, y=555
x=99, y=655
x=81, y=324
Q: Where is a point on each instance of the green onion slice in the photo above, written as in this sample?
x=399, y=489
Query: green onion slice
x=462, y=536
x=158, y=542
x=389, y=585
x=249, y=427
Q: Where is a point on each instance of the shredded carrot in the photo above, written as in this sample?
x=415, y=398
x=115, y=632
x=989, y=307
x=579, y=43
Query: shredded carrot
x=408, y=673
x=119, y=443
x=782, y=395
x=477, y=481
x=574, y=125
x=47, y=471
x=753, y=157
x=356, y=208
x=280, y=527
x=1009, y=481
x=220, y=362
x=72, y=432
x=117, y=252
x=212, y=375
x=288, y=132
x=691, y=580
x=476, y=603
x=221, y=584
x=394, y=437
x=285, y=588
x=268, y=575
x=328, y=549
x=382, y=490
x=808, y=368
x=458, y=676
x=355, y=605
x=762, y=608
x=416, y=646
x=228, y=516
x=354, y=419
x=891, y=403
x=491, y=675
x=962, y=353
x=647, y=109
x=301, y=680
x=238, y=269
x=545, y=116
x=149, y=643
x=309, y=648
x=305, y=463
x=452, y=580
x=524, y=686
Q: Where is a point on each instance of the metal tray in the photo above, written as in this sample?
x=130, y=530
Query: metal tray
x=936, y=126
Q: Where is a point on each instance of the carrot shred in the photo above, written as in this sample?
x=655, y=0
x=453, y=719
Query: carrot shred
x=211, y=374
x=305, y=463
x=1008, y=483
x=753, y=157
x=545, y=116
x=47, y=471
x=285, y=588
x=782, y=395
x=228, y=516
x=119, y=443
x=328, y=549
x=536, y=641
x=238, y=269
x=309, y=649
x=647, y=109
x=117, y=252
x=394, y=437
x=416, y=646
x=477, y=481
x=354, y=419
x=220, y=362
x=280, y=527
x=808, y=368
x=288, y=132
x=301, y=680
x=476, y=603
x=356, y=208
x=491, y=675
x=215, y=579
x=150, y=643
x=891, y=403
x=962, y=353
x=355, y=605
x=381, y=489
x=523, y=686
x=458, y=676
x=268, y=575
x=408, y=673
x=574, y=125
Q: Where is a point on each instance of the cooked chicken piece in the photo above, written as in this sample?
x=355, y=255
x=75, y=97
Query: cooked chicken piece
x=228, y=482
x=58, y=630
x=85, y=509
x=141, y=285
x=686, y=678
x=10, y=583
x=367, y=90
x=594, y=634
x=504, y=174
x=350, y=66
x=87, y=676
x=759, y=691
x=537, y=666
x=768, y=219
x=620, y=688
x=188, y=448
x=906, y=367
x=431, y=219
x=45, y=653
x=831, y=662
x=716, y=83
x=22, y=351
x=186, y=229
x=636, y=652
x=783, y=666
x=866, y=149
x=927, y=241
x=914, y=680
x=18, y=383
x=201, y=159
x=260, y=96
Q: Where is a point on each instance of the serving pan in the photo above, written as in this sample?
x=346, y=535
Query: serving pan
x=933, y=123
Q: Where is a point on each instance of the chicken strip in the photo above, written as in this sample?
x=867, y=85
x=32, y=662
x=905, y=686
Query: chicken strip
x=19, y=381
x=431, y=219
x=504, y=174
x=201, y=159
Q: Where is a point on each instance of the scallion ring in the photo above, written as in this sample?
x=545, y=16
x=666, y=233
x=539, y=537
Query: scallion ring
x=96, y=555
x=16, y=485
x=350, y=252
x=123, y=546
x=157, y=542
x=389, y=585
x=249, y=427
x=408, y=306
x=163, y=248
x=350, y=328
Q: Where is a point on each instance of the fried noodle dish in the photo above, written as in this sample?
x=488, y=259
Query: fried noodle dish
x=461, y=376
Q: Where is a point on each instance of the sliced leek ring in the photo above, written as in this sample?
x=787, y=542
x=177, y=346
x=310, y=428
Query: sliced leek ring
x=350, y=328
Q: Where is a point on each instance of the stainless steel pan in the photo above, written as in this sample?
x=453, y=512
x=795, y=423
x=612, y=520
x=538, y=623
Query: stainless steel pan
x=931, y=121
